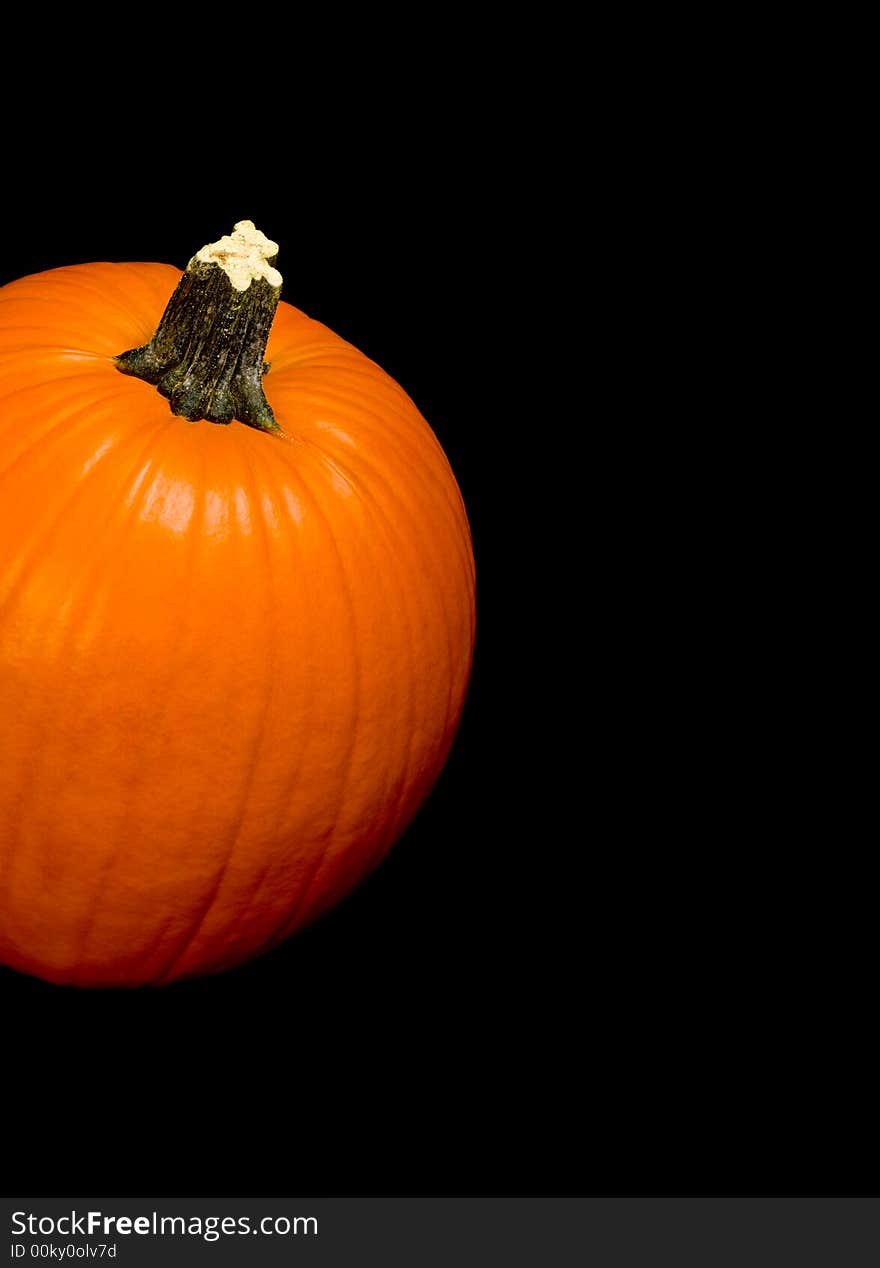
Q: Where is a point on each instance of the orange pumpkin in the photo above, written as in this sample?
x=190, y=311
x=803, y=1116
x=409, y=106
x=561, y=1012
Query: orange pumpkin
x=232, y=660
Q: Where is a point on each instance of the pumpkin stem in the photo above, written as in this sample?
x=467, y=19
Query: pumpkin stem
x=206, y=356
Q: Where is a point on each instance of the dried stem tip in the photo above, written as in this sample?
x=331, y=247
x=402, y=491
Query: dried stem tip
x=242, y=255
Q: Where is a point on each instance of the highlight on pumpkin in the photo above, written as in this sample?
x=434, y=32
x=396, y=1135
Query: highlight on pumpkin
x=233, y=657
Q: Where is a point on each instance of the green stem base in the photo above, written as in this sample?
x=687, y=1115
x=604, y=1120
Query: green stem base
x=206, y=356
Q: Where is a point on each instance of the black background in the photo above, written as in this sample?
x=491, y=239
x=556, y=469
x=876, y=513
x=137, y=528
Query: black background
x=621, y=948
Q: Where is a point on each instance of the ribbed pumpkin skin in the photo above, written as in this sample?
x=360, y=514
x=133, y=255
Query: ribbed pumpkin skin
x=231, y=664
